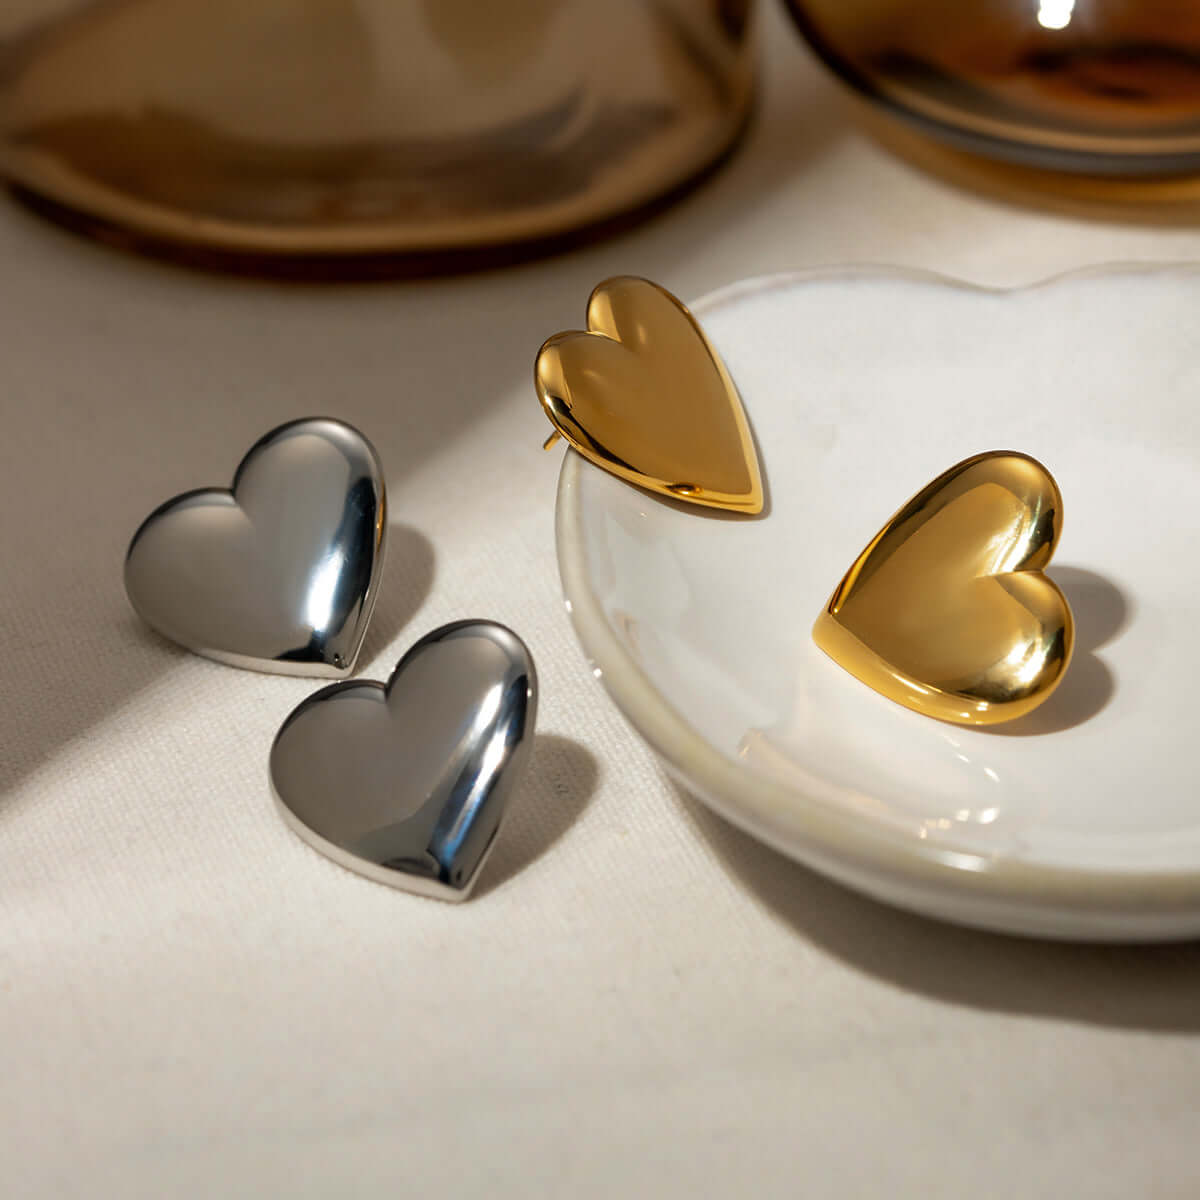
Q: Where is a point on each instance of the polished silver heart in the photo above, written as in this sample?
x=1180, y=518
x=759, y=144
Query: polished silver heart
x=279, y=573
x=406, y=782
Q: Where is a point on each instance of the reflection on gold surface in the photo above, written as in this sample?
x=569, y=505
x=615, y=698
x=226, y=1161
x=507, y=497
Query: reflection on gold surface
x=643, y=395
x=356, y=126
x=947, y=611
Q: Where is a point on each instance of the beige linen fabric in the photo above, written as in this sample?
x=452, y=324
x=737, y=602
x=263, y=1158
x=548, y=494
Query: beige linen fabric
x=639, y=1001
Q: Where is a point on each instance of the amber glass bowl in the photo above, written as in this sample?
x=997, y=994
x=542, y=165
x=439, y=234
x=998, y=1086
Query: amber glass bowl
x=1102, y=87
x=347, y=127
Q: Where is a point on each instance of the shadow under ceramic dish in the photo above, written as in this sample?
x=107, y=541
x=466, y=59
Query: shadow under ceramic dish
x=1101, y=612
x=1129, y=987
x=560, y=780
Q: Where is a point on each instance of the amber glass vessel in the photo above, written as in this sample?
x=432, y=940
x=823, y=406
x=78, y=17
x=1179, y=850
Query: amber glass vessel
x=1096, y=86
x=335, y=127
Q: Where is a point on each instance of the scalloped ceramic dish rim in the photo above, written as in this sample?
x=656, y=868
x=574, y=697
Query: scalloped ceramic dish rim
x=1057, y=901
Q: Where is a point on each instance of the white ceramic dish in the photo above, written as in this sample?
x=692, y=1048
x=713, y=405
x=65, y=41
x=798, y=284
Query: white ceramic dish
x=1081, y=820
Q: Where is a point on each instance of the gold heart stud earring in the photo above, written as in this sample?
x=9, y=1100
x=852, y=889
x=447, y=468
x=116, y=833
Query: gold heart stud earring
x=644, y=395
x=947, y=610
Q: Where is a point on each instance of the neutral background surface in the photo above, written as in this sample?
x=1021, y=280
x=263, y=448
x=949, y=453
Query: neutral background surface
x=638, y=1000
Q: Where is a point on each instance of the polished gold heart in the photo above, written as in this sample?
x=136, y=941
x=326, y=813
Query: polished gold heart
x=644, y=395
x=947, y=611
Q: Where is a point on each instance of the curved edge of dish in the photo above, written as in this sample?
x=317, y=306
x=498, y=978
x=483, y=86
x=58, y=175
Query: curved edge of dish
x=1000, y=894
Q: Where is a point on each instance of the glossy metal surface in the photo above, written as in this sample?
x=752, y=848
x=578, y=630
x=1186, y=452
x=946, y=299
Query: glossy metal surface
x=1077, y=821
x=644, y=395
x=406, y=782
x=947, y=611
x=279, y=573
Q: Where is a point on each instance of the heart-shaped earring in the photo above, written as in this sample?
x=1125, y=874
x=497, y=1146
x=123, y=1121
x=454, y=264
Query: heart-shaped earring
x=406, y=782
x=644, y=395
x=947, y=610
x=280, y=572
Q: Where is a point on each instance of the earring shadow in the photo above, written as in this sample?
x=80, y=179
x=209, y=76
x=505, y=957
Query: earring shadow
x=1101, y=613
x=565, y=775
x=408, y=574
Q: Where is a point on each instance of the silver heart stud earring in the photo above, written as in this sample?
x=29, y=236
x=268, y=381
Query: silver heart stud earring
x=280, y=572
x=406, y=782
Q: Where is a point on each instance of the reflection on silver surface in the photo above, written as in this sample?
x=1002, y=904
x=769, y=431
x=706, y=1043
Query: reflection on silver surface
x=279, y=573
x=406, y=782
